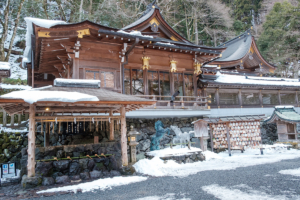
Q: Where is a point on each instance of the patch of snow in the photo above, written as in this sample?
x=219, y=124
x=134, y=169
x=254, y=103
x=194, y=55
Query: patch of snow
x=137, y=33
x=39, y=22
x=76, y=81
x=235, y=79
x=21, y=87
x=225, y=193
x=102, y=184
x=221, y=161
x=293, y=172
x=170, y=196
x=176, y=151
x=4, y=66
x=165, y=43
x=32, y=96
x=284, y=106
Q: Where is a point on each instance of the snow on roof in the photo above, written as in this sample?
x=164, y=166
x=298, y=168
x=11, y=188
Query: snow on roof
x=4, y=66
x=39, y=22
x=235, y=79
x=33, y=95
x=137, y=33
x=284, y=106
x=164, y=43
x=8, y=86
x=76, y=83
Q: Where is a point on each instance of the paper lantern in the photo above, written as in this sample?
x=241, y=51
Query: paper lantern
x=145, y=62
x=173, y=67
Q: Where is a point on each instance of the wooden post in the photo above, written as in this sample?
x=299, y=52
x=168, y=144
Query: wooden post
x=211, y=138
x=4, y=118
x=217, y=96
x=111, y=128
x=202, y=143
x=46, y=135
x=31, y=142
x=26, y=116
x=240, y=98
x=19, y=119
x=123, y=137
x=279, y=98
x=260, y=99
x=228, y=139
x=96, y=139
x=12, y=120
x=296, y=99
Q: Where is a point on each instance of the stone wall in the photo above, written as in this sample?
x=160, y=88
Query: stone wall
x=146, y=128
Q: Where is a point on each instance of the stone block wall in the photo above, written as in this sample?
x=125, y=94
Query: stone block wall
x=268, y=133
x=75, y=166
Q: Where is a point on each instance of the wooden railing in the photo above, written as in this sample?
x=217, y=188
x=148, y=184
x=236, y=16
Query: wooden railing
x=180, y=102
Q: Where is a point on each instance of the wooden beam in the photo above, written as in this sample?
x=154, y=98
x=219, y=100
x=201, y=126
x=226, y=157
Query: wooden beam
x=240, y=98
x=31, y=143
x=19, y=119
x=12, y=120
x=4, y=118
x=123, y=137
x=111, y=130
x=46, y=134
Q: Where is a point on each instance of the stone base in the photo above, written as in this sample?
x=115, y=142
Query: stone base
x=31, y=182
x=187, y=158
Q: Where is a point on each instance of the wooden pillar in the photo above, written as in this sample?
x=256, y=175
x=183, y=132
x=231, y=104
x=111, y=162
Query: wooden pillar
x=46, y=135
x=96, y=139
x=123, y=137
x=260, y=99
x=228, y=138
x=111, y=127
x=26, y=116
x=19, y=119
x=145, y=79
x=240, y=98
x=211, y=138
x=217, y=96
x=12, y=120
x=195, y=84
x=279, y=99
x=31, y=142
x=172, y=90
x=202, y=143
x=4, y=118
x=296, y=99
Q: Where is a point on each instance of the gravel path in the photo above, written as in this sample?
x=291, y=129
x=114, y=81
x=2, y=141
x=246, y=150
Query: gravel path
x=254, y=180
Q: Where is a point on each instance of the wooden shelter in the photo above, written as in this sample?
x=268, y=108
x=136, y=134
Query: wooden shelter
x=72, y=100
x=232, y=132
x=4, y=70
x=286, y=119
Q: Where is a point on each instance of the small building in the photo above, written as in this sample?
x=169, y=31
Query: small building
x=286, y=119
x=4, y=70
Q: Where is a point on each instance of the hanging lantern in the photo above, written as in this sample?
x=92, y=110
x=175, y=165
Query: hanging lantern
x=173, y=67
x=145, y=62
x=197, y=68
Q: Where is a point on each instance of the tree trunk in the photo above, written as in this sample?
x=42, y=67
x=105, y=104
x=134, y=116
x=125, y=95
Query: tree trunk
x=196, y=27
x=296, y=69
x=90, y=9
x=4, y=31
x=80, y=10
x=215, y=39
x=45, y=8
x=15, y=30
x=62, y=15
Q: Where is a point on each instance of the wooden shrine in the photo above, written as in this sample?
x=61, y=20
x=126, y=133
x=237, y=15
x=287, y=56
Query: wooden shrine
x=100, y=106
x=286, y=119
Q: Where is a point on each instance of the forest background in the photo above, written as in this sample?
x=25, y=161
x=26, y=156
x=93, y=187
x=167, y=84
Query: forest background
x=274, y=23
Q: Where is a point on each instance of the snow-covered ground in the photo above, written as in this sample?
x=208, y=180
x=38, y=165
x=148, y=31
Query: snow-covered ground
x=102, y=184
x=230, y=193
x=169, y=196
x=293, y=172
x=221, y=161
x=175, y=151
x=9, y=86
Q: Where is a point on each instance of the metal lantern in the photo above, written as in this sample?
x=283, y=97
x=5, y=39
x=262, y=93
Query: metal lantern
x=197, y=67
x=132, y=143
x=173, y=67
x=145, y=62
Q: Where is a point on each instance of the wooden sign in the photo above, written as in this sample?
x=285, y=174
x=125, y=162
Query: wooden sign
x=200, y=128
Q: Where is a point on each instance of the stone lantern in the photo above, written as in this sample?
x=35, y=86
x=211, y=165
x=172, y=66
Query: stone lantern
x=132, y=143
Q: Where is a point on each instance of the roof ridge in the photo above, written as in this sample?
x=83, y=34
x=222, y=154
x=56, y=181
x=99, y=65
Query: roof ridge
x=237, y=37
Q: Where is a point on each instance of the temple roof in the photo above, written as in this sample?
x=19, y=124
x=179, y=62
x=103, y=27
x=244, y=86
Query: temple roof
x=284, y=113
x=237, y=47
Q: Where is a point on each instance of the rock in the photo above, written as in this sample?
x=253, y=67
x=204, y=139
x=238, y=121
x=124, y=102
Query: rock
x=61, y=164
x=50, y=151
x=53, y=138
x=91, y=164
x=144, y=145
x=62, y=179
x=76, y=154
x=43, y=168
x=56, y=174
x=85, y=175
x=40, y=137
x=115, y=173
x=60, y=154
x=83, y=163
x=31, y=182
x=96, y=174
x=75, y=177
x=48, y=181
x=74, y=168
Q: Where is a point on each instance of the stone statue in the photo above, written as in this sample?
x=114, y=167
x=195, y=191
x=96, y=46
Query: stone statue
x=160, y=132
